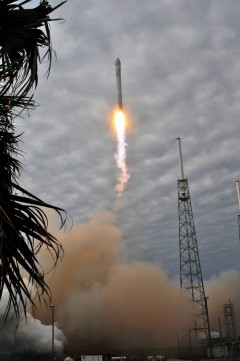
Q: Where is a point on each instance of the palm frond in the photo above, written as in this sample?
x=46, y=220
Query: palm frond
x=22, y=32
x=23, y=228
x=23, y=221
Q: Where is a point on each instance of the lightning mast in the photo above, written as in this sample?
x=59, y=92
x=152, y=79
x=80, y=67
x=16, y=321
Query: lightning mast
x=238, y=193
x=191, y=279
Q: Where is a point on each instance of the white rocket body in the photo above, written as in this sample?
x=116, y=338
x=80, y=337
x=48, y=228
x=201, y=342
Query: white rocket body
x=119, y=83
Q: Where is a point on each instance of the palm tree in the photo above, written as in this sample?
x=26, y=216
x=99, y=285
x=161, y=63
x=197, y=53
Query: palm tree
x=23, y=221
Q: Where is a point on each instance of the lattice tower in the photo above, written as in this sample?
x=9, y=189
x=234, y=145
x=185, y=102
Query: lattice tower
x=191, y=279
x=230, y=325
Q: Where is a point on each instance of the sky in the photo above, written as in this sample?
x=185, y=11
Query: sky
x=180, y=78
x=180, y=68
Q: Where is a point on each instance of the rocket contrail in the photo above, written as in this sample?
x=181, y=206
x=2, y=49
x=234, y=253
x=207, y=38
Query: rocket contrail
x=120, y=133
x=121, y=154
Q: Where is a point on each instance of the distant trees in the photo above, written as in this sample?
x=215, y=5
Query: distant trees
x=23, y=222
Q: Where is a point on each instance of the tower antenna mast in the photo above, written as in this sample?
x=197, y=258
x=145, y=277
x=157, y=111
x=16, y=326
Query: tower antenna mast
x=238, y=193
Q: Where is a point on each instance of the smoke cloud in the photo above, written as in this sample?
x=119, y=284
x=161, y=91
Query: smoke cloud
x=222, y=289
x=103, y=302
x=28, y=335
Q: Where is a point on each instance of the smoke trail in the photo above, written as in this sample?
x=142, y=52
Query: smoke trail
x=27, y=335
x=120, y=155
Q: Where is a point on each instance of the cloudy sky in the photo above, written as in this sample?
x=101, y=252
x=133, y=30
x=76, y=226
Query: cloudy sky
x=180, y=78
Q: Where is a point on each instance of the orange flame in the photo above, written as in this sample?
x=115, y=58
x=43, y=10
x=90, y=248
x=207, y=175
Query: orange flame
x=119, y=122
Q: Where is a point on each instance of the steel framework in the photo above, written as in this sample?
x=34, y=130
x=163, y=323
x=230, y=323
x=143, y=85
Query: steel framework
x=190, y=268
x=230, y=325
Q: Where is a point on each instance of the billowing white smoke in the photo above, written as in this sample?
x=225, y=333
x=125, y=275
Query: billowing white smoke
x=28, y=335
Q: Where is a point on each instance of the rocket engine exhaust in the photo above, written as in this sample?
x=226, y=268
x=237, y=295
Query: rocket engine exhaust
x=120, y=134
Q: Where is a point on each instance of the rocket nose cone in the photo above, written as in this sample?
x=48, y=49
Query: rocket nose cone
x=117, y=62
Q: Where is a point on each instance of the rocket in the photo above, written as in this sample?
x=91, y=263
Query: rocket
x=119, y=84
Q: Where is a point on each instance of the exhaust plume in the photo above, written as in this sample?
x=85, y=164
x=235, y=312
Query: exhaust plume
x=220, y=289
x=104, y=302
x=121, y=154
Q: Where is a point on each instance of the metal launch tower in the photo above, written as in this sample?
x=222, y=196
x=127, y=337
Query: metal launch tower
x=230, y=325
x=191, y=280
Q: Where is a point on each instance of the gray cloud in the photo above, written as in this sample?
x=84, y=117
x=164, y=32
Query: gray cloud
x=180, y=70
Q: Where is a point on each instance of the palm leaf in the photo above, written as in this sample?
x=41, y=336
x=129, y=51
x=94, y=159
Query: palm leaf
x=23, y=221
x=22, y=32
